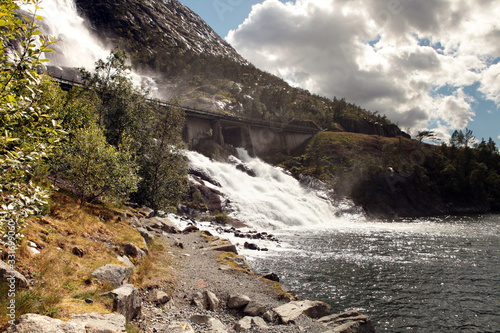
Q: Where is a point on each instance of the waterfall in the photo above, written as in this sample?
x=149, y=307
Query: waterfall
x=273, y=199
x=76, y=45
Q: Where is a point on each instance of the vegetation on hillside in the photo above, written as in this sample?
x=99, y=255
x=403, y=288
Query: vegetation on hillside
x=398, y=176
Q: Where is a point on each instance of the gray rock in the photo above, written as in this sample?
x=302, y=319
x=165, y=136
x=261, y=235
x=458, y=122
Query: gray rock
x=348, y=322
x=161, y=297
x=148, y=212
x=270, y=316
x=225, y=248
x=115, y=275
x=254, y=308
x=212, y=300
x=134, y=251
x=316, y=309
x=126, y=301
x=238, y=301
x=94, y=322
x=247, y=322
x=134, y=221
x=30, y=323
x=147, y=235
x=214, y=325
x=9, y=274
x=200, y=301
x=291, y=311
x=126, y=261
x=179, y=326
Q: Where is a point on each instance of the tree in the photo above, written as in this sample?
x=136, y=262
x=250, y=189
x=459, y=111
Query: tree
x=163, y=168
x=426, y=135
x=96, y=169
x=28, y=128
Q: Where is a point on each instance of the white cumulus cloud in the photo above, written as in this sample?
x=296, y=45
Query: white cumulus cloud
x=408, y=59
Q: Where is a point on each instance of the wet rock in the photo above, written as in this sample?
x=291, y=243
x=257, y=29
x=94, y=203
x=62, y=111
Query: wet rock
x=291, y=311
x=114, y=275
x=348, y=322
x=238, y=301
x=250, y=246
x=254, y=308
x=190, y=229
x=272, y=277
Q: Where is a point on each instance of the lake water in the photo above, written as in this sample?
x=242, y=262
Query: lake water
x=427, y=275
x=439, y=275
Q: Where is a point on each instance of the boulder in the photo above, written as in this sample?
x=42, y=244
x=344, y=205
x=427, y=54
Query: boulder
x=291, y=311
x=115, y=275
x=126, y=261
x=254, y=308
x=126, y=301
x=30, y=323
x=225, y=248
x=107, y=323
x=247, y=322
x=212, y=300
x=238, y=301
x=78, y=251
x=9, y=274
x=348, y=322
x=272, y=277
x=200, y=301
x=161, y=297
x=213, y=325
x=148, y=212
x=147, y=235
x=134, y=251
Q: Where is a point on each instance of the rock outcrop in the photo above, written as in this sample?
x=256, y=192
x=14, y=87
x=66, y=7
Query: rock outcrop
x=126, y=301
x=7, y=273
x=114, y=275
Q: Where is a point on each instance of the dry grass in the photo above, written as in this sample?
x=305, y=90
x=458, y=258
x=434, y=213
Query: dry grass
x=62, y=280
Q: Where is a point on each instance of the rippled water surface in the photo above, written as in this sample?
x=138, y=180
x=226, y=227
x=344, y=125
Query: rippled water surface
x=440, y=275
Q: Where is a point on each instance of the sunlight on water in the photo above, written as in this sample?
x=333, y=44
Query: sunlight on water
x=414, y=275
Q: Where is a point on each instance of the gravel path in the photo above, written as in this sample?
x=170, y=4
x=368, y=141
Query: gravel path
x=199, y=270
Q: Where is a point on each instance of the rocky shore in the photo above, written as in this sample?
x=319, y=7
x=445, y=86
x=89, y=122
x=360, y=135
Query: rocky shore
x=215, y=291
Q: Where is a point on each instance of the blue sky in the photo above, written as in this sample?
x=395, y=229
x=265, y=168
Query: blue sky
x=425, y=64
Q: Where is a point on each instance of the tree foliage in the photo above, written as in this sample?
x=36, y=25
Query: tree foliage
x=28, y=128
x=98, y=170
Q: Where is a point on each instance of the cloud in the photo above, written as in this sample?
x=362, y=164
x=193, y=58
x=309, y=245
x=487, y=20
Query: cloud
x=393, y=56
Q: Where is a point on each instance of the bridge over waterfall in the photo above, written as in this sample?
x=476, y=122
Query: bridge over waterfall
x=257, y=136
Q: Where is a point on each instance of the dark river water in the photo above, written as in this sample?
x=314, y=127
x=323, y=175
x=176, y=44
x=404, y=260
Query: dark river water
x=438, y=275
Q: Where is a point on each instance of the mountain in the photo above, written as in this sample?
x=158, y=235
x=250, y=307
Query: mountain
x=147, y=24
x=192, y=64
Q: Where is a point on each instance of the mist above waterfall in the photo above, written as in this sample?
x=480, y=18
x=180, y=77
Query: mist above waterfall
x=272, y=199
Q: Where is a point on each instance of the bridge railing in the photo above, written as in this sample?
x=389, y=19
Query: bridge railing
x=213, y=114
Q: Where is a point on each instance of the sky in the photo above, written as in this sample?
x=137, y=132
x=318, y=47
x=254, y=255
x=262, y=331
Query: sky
x=426, y=65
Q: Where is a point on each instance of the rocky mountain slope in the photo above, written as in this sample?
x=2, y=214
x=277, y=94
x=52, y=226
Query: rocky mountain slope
x=192, y=64
x=149, y=23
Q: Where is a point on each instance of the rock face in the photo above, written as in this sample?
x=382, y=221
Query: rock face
x=115, y=275
x=151, y=23
x=93, y=322
x=348, y=322
x=126, y=301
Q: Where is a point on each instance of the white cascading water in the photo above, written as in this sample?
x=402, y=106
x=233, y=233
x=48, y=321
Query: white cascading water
x=273, y=200
x=76, y=46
